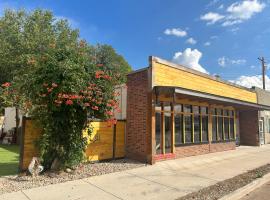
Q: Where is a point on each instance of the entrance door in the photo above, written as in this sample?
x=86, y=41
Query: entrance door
x=261, y=130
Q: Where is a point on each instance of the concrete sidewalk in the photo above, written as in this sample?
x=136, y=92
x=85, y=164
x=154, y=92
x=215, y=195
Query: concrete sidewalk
x=164, y=180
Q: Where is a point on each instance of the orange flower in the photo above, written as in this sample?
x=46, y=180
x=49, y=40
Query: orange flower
x=69, y=102
x=87, y=104
x=54, y=85
x=94, y=107
x=99, y=74
x=107, y=77
x=7, y=84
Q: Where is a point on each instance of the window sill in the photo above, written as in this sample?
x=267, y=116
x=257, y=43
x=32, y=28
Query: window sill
x=190, y=144
x=223, y=141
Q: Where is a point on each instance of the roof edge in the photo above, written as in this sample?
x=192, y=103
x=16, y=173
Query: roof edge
x=187, y=69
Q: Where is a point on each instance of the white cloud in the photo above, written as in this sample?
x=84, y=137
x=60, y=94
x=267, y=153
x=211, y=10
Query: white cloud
x=223, y=61
x=212, y=3
x=178, y=32
x=214, y=37
x=207, y=44
x=235, y=29
x=231, y=22
x=211, y=17
x=221, y=6
x=238, y=62
x=245, y=10
x=191, y=41
x=236, y=13
x=249, y=81
x=189, y=58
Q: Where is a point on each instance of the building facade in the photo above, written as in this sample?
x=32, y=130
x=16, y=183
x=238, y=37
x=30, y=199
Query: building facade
x=174, y=111
x=263, y=98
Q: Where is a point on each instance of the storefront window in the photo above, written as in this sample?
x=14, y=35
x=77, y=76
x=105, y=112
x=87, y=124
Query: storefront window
x=178, y=124
x=226, y=128
x=231, y=128
x=214, y=128
x=188, y=128
x=158, y=133
x=163, y=128
x=204, y=128
x=168, y=133
x=187, y=108
x=220, y=128
x=191, y=125
x=197, y=128
x=222, y=124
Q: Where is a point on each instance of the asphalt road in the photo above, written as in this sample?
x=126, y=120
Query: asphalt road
x=262, y=193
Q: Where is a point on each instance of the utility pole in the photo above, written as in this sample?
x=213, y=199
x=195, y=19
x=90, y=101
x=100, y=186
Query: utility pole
x=263, y=70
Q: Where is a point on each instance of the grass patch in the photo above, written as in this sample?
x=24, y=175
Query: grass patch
x=9, y=159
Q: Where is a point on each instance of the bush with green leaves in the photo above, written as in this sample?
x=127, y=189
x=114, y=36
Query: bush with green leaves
x=59, y=80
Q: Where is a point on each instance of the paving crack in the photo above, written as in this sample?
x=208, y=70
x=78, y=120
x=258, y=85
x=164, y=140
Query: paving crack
x=103, y=189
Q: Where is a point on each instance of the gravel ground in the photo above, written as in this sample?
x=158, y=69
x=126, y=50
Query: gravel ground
x=223, y=188
x=22, y=182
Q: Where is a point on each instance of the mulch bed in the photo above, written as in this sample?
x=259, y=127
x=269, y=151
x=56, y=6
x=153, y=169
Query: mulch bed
x=225, y=187
x=23, y=181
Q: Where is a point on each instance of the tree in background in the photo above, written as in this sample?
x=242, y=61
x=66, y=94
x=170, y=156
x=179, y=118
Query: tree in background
x=112, y=62
x=58, y=79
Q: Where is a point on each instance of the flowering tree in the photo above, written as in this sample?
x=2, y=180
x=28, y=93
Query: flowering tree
x=60, y=81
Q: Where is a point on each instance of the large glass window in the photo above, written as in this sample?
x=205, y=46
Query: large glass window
x=188, y=128
x=163, y=128
x=197, y=128
x=204, y=128
x=231, y=128
x=178, y=124
x=222, y=124
x=191, y=124
x=226, y=128
x=168, y=132
x=220, y=128
x=214, y=128
x=158, y=133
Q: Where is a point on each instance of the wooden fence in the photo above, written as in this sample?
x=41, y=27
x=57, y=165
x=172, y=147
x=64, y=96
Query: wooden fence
x=104, y=143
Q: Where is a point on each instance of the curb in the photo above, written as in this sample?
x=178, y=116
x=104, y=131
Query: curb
x=241, y=192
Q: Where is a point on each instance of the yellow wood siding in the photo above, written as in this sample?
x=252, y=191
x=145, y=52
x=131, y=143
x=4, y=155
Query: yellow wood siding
x=164, y=75
x=32, y=133
x=100, y=143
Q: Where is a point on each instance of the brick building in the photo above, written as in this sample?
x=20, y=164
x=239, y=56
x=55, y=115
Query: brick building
x=174, y=111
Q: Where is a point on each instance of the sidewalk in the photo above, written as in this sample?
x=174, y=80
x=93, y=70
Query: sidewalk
x=164, y=180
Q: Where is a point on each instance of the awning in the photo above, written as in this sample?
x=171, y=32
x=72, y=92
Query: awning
x=214, y=99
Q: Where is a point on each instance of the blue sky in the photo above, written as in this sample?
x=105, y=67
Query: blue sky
x=215, y=36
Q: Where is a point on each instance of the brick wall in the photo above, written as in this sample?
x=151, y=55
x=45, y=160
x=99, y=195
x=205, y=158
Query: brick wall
x=191, y=150
x=217, y=147
x=249, y=128
x=198, y=149
x=138, y=139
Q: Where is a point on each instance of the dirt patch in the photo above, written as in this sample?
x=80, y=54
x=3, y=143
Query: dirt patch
x=22, y=182
x=223, y=188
